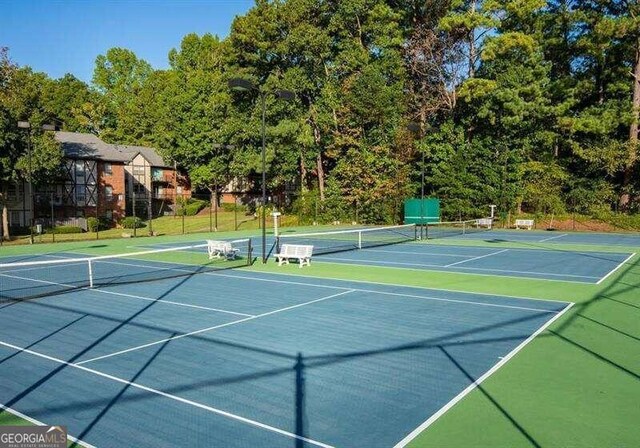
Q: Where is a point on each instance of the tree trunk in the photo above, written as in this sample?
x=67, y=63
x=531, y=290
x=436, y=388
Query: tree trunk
x=5, y=213
x=320, y=170
x=633, y=133
x=303, y=173
x=472, y=45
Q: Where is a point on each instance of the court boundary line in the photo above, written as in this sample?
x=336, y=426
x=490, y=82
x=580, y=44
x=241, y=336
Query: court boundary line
x=151, y=390
x=393, y=285
x=552, y=238
x=104, y=291
x=39, y=423
x=616, y=268
x=215, y=327
x=361, y=281
x=464, y=273
x=438, y=299
x=316, y=285
x=477, y=258
x=411, y=253
x=451, y=403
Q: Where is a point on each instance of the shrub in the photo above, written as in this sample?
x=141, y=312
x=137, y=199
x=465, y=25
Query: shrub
x=131, y=222
x=93, y=224
x=67, y=229
x=192, y=207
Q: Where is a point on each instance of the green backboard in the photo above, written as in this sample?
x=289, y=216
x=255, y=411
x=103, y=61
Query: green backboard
x=415, y=214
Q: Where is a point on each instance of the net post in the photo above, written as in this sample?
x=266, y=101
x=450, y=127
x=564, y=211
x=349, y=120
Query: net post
x=359, y=240
x=90, y=273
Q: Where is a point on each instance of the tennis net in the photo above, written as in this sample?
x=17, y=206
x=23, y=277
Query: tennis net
x=346, y=240
x=34, y=279
x=435, y=230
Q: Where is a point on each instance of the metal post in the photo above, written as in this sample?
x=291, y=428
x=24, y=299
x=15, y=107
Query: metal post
x=53, y=220
x=264, y=182
x=422, y=198
x=150, y=205
x=235, y=211
x=182, y=212
x=215, y=199
x=31, y=204
x=211, y=212
x=135, y=220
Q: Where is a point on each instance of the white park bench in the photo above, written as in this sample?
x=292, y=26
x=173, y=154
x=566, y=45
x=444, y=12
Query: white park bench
x=296, y=251
x=484, y=222
x=524, y=223
x=221, y=249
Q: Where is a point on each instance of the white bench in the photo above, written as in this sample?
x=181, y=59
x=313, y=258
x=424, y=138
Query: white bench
x=484, y=222
x=524, y=223
x=221, y=249
x=300, y=252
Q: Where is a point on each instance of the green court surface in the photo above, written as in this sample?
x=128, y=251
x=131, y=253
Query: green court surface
x=577, y=383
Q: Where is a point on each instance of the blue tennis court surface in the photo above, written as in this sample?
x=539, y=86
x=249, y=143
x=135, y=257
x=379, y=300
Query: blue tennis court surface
x=559, y=237
x=583, y=267
x=239, y=358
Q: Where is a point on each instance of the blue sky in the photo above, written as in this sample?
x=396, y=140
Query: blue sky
x=65, y=36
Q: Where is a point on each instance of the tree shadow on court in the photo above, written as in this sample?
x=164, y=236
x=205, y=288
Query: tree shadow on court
x=297, y=366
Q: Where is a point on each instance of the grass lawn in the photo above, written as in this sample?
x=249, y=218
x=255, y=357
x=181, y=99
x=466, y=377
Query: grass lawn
x=575, y=385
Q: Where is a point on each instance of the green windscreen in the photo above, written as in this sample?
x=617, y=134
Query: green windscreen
x=426, y=212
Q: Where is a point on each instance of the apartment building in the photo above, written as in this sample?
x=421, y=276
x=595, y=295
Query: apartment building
x=102, y=180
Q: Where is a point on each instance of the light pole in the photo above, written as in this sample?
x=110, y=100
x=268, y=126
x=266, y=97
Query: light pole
x=244, y=85
x=416, y=129
x=45, y=127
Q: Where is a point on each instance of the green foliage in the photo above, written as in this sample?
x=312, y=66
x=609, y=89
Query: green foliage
x=230, y=207
x=191, y=207
x=527, y=104
x=131, y=222
x=66, y=229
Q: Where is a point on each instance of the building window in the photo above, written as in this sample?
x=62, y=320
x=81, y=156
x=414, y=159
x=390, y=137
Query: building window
x=81, y=194
x=138, y=170
x=107, y=168
x=108, y=193
x=156, y=173
x=12, y=193
x=14, y=218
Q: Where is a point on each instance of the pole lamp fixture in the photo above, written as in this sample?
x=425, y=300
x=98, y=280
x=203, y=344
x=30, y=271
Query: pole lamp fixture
x=244, y=85
x=416, y=129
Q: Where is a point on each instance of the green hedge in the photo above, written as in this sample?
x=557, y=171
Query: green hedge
x=66, y=229
x=192, y=207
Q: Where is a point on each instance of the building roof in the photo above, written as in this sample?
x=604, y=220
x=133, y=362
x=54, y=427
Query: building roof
x=78, y=145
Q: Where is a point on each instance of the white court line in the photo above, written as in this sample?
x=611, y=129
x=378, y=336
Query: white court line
x=438, y=299
x=39, y=423
x=403, y=252
x=215, y=327
x=166, y=395
x=104, y=291
x=616, y=268
x=477, y=382
x=375, y=262
x=553, y=238
x=477, y=258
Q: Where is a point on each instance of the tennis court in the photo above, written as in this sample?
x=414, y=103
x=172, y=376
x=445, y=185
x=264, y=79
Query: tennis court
x=568, y=266
x=160, y=352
